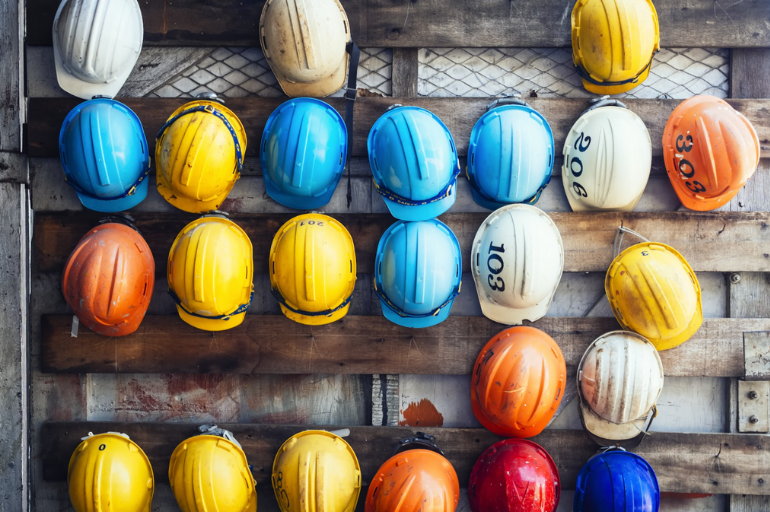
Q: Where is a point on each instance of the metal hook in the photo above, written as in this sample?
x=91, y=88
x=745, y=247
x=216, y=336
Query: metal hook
x=618, y=243
x=209, y=96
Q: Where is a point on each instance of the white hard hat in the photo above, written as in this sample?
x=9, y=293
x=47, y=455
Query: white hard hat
x=607, y=158
x=517, y=259
x=305, y=43
x=96, y=44
x=619, y=380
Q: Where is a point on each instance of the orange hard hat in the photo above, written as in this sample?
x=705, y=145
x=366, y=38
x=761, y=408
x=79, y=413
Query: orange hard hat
x=518, y=382
x=109, y=277
x=710, y=151
x=416, y=480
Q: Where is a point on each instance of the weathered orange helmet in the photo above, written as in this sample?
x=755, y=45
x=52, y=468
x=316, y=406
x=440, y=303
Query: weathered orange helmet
x=518, y=382
x=710, y=151
x=415, y=480
x=109, y=277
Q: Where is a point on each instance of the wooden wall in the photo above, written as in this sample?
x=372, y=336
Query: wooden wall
x=364, y=371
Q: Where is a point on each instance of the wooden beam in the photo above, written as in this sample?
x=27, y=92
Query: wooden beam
x=459, y=114
x=435, y=23
x=12, y=104
x=711, y=242
x=14, y=168
x=750, y=73
x=404, y=73
x=696, y=463
x=355, y=344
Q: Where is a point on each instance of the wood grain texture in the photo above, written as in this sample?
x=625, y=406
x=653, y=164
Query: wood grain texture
x=710, y=463
x=404, y=73
x=707, y=240
x=459, y=114
x=436, y=23
x=14, y=167
x=14, y=348
x=354, y=345
x=750, y=73
x=12, y=103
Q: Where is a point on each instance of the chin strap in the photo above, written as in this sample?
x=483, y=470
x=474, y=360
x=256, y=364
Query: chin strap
x=350, y=101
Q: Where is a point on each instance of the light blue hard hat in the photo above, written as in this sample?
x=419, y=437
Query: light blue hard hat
x=510, y=155
x=617, y=481
x=414, y=163
x=303, y=152
x=418, y=272
x=104, y=154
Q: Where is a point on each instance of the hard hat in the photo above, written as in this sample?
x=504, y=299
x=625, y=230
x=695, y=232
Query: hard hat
x=617, y=481
x=313, y=269
x=417, y=478
x=414, y=163
x=327, y=462
x=514, y=475
x=619, y=379
x=607, y=159
x=95, y=45
x=303, y=152
x=210, y=472
x=726, y=152
x=109, y=278
x=418, y=272
x=518, y=382
x=199, y=156
x=613, y=43
x=210, y=271
x=510, y=155
x=104, y=154
x=517, y=260
x=306, y=45
x=654, y=292
x=110, y=472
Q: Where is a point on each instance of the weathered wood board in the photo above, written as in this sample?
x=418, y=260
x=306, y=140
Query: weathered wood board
x=459, y=114
x=12, y=98
x=708, y=240
x=384, y=23
x=354, y=344
x=710, y=463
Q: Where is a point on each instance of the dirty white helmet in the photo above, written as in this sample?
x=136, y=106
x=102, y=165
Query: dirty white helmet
x=619, y=380
x=96, y=44
x=305, y=43
x=517, y=259
x=607, y=158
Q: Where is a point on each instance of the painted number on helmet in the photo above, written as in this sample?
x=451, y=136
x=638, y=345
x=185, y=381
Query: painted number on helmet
x=495, y=265
x=686, y=169
x=102, y=447
x=312, y=223
x=576, y=165
x=279, y=488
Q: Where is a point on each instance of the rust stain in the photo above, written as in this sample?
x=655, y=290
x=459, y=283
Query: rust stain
x=422, y=414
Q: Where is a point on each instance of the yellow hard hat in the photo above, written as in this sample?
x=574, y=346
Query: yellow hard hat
x=613, y=43
x=209, y=472
x=316, y=471
x=210, y=271
x=199, y=156
x=110, y=472
x=313, y=269
x=654, y=292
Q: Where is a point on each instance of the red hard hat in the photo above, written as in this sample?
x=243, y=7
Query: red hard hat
x=514, y=475
x=108, y=279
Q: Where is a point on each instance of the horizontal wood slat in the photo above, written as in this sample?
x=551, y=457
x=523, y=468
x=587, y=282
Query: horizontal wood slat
x=713, y=242
x=693, y=463
x=355, y=344
x=460, y=114
x=434, y=23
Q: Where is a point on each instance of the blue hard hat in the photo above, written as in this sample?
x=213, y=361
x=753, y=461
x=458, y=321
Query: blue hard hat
x=303, y=153
x=617, y=481
x=104, y=154
x=418, y=272
x=414, y=163
x=510, y=155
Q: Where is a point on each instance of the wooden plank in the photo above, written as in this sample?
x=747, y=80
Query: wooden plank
x=459, y=114
x=750, y=73
x=12, y=111
x=710, y=463
x=14, y=349
x=14, y=168
x=355, y=344
x=707, y=240
x=404, y=74
x=436, y=23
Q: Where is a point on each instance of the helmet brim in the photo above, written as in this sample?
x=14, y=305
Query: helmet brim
x=116, y=205
x=315, y=320
x=423, y=211
x=616, y=89
x=416, y=323
x=320, y=89
x=608, y=430
x=186, y=204
x=299, y=202
x=509, y=316
x=210, y=324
